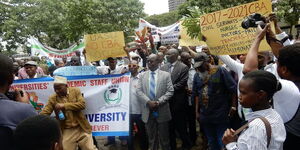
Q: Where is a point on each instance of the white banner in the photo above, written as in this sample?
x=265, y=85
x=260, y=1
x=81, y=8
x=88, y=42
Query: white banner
x=38, y=49
x=106, y=97
x=169, y=34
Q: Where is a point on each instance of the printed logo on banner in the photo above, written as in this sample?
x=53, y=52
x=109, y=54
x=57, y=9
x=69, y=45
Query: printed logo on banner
x=113, y=94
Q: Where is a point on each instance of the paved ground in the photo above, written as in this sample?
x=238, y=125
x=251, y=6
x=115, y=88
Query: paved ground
x=117, y=146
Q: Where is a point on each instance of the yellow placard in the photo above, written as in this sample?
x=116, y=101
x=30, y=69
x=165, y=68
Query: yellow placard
x=186, y=40
x=224, y=32
x=103, y=45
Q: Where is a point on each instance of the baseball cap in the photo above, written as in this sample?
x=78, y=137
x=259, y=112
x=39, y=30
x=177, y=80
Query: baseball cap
x=200, y=58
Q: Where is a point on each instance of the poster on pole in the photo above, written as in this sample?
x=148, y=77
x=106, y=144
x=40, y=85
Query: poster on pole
x=224, y=32
x=103, y=45
x=106, y=97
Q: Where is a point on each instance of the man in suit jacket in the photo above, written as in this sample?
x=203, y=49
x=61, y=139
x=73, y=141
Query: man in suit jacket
x=154, y=91
x=179, y=101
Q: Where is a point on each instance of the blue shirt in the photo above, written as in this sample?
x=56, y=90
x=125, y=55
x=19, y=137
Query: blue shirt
x=12, y=112
x=221, y=86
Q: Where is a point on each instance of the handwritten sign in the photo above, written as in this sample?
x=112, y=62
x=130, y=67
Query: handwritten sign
x=186, y=40
x=224, y=32
x=103, y=45
x=75, y=71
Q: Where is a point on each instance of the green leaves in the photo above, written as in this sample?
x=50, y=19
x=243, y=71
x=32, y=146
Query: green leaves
x=288, y=11
x=164, y=19
x=192, y=22
x=60, y=23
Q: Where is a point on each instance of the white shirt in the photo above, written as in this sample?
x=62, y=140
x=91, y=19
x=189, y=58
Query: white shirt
x=192, y=73
x=105, y=70
x=255, y=136
x=286, y=100
x=135, y=105
x=281, y=36
x=238, y=69
x=173, y=64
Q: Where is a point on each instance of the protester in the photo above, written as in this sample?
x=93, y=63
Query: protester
x=38, y=133
x=136, y=110
x=69, y=101
x=30, y=70
x=112, y=68
x=75, y=61
x=57, y=64
x=191, y=116
x=256, y=90
x=287, y=69
x=12, y=111
x=214, y=90
x=154, y=91
x=179, y=101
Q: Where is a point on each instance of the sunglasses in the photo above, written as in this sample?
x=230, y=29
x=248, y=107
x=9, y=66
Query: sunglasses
x=133, y=66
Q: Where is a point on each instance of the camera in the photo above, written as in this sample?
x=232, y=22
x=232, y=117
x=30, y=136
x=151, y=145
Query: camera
x=253, y=20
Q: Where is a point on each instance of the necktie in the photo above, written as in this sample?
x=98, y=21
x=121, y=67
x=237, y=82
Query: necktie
x=152, y=86
x=170, y=68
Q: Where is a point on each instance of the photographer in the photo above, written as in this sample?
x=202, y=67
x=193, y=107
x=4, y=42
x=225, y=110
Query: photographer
x=12, y=112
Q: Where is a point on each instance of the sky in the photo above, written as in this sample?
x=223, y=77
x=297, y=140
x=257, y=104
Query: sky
x=152, y=7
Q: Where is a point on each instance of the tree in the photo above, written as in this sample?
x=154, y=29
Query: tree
x=164, y=19
x=288, y=11
x=61, y=23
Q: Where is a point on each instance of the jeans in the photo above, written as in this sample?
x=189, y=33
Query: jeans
x=214, y=133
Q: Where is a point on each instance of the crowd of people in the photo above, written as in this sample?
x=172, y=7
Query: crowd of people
x=248, y=101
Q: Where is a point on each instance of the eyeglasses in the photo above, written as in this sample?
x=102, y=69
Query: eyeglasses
x=133, y=66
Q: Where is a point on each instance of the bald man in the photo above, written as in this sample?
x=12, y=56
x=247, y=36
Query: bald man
x=179, y=101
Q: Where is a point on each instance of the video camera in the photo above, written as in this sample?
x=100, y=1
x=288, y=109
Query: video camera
x=253, y=20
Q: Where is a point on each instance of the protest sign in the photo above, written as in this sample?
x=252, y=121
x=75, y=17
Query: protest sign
x=106, y=99
x=75, y=71
x=224, y=32
x=38, y=49
x=103, y=45
x=169, y=34
x=186, y=40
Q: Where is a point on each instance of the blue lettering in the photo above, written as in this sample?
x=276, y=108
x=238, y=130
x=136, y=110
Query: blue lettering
x=97, y=117
x=123, y=114
x=108, y=117
x=103, y=117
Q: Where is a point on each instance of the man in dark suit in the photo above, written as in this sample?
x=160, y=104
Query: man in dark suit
x=154, y=90
x=179, y=101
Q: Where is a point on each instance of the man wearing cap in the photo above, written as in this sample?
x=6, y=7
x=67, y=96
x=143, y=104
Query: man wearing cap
x=76, y=129
x=30, y=70
x=214, y=91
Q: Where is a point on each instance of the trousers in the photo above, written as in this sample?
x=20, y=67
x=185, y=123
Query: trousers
x=74, y=137
x=158, y=134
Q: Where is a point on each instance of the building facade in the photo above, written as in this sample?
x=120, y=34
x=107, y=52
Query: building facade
x=173, y=4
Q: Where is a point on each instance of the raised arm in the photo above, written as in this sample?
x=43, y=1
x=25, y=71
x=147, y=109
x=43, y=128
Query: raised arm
x=251, y=62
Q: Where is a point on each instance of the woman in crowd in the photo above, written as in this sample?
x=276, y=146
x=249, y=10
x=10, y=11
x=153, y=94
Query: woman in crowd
x=256, y=90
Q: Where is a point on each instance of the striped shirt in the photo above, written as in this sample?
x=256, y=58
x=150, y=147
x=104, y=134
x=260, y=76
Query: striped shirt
x=255, y=136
